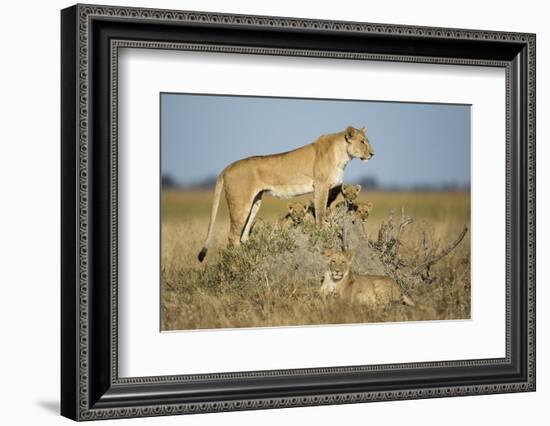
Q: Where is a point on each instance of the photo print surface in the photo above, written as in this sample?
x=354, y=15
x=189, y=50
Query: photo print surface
x=292, y=212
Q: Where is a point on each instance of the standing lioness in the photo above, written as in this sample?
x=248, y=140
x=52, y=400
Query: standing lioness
x=317, y=167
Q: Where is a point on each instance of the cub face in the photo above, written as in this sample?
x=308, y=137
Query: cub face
x=338, y=263
x=358, y=145
x=350, y=192
x=363, y=210
x=297, y=212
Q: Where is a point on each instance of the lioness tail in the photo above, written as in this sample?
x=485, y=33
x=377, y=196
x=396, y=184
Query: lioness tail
x=215, y=204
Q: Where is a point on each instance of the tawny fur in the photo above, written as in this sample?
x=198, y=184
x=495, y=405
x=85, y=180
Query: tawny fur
x=349, y=193
x=371, y=290
x=316, y=168
x=362, y=212
x=298, y=214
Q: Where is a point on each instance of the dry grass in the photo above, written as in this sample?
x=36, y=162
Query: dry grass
x=273, y=280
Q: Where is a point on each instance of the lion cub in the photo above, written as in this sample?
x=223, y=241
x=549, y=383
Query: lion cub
x=362, y=212
x=350, y=193
x=371, y=290
x=297, y=214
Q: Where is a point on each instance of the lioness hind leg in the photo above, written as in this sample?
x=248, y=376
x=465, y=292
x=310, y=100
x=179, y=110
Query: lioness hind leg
x=252, y=215
x=235, y=230
x=238, y=215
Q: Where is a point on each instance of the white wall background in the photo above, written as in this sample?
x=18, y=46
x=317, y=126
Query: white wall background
x=29, y=214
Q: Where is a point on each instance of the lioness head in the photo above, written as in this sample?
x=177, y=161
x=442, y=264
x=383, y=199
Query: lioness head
x=350, y=192
x=358, y=143
x=297, y=212
x=338, y=263
x=363, y=210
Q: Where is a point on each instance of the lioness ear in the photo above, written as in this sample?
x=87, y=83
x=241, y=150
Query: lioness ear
x=358, y=187
x=328, y=252
x=349, y=254
x=363, y=129
x=349, y=133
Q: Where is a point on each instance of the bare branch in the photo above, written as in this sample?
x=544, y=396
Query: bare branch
x=381, y=235
x=403, y=226
x=444, y=253
x=345, y=233
x=403, y=223
x=425, y=244
x=389, y=229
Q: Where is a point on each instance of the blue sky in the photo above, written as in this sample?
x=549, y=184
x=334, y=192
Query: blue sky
x=415, y=143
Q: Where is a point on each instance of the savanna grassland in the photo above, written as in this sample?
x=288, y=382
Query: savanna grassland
x=274, y=279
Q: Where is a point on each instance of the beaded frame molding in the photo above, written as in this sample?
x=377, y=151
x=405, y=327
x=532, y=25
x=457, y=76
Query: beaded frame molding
x=91, y=38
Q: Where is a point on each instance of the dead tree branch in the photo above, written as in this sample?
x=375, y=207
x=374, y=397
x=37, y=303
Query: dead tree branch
x=441, y=255
x=345, y=233
x=404, y=222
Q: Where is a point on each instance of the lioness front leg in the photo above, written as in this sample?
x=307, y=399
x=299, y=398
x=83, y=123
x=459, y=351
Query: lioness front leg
x=320, y=201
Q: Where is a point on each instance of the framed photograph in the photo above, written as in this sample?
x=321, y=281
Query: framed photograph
x=263, y=212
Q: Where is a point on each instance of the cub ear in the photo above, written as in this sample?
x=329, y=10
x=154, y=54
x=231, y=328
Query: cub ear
x=291, y=207
x=305, y=207
x=349, y=133
x=328, y=252
x=349, y=254
x=358, y=188
x=363, y=129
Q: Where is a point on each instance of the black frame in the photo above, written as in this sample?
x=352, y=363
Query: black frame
x=90, y=386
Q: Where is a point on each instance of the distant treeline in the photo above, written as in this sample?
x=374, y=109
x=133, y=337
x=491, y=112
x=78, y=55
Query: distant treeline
x=367, y=183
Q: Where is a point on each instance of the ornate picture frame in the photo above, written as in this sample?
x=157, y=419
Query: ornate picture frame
x=90, y=39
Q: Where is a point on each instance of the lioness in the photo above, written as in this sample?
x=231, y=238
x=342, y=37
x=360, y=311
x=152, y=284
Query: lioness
x=317, y=167
x=298, y=213
x=371, y=290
